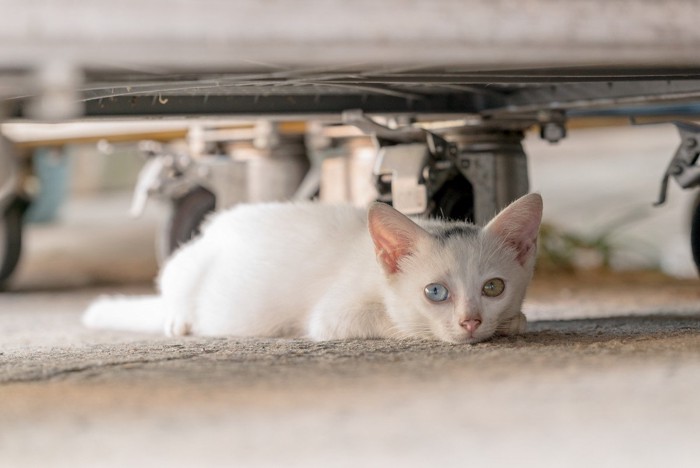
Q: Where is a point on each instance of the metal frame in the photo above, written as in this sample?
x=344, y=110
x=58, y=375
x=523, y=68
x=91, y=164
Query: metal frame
x=507, y=64
x=284, y=101
x=250, y=35
x=318, y=57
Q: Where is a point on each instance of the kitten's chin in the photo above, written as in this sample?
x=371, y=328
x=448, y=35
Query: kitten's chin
x=464, y=338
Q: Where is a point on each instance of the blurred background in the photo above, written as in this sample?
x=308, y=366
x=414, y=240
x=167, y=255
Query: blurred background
x=224, y=104
x=598, y=184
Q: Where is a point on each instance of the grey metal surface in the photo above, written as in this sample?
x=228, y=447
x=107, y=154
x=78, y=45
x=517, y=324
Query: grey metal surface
x=605, y=94
x=316, y=57
x=254, y=35
x=496, y=166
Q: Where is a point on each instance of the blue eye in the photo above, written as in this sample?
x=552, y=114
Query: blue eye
x=436, y=292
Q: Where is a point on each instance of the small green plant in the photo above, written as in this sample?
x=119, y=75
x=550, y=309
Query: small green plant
x=560, y=250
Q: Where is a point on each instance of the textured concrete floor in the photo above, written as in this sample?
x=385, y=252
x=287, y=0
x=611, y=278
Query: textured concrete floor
x=579, y=392
x=607, y=376
x=618, y=391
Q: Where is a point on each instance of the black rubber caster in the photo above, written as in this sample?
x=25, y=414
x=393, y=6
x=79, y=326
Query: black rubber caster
x=454, y=200
x=695, y=233
x=185, y=220
x=11, y=237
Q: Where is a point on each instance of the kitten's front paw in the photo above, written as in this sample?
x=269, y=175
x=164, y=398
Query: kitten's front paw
x=177, y=325
x=514, y=326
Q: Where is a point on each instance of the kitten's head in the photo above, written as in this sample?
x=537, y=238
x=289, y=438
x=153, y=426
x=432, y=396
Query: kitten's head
x=455, y=281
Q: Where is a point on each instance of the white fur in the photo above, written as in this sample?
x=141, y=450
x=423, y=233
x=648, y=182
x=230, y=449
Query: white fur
x=138, y=313
x=310, y=270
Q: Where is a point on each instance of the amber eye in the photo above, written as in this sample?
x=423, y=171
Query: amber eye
x=493, y=287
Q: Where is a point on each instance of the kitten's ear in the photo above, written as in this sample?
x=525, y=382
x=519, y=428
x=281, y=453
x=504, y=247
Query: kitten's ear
x=518, y=225
x=394, y=235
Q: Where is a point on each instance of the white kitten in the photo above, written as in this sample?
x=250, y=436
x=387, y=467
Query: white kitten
x=330, y=272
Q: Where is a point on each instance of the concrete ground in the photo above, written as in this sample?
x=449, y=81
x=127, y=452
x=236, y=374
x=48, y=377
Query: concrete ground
x=608, y=375
x=599, y=391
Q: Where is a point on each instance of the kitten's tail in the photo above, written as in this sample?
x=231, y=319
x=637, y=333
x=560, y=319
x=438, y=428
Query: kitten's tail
x=135, y=313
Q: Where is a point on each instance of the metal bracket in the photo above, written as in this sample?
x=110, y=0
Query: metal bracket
x=169, y=175
x=407, y=156
x=163, y=175
x=382, y=133
x=684, y=166
x=405, y=163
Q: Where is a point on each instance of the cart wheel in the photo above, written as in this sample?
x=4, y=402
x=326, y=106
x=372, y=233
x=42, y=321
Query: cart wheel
x=695, y=233
x=11, y=237
x=186, y=216
x=454, y=200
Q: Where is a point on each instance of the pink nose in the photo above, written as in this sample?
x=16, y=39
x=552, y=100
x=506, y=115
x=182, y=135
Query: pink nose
x=470, y=324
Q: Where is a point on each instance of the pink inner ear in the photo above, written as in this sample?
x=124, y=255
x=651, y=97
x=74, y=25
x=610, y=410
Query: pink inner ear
x=394, y=236
x=389, y=258
x=524, y=249
x=518, y=225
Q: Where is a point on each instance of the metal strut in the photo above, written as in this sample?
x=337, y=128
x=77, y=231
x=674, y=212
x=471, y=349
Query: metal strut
x=412, y=157
x=683, y=166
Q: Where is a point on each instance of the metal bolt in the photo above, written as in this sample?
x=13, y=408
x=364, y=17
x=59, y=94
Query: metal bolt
x=104, y=146
x=553, y=132
x=690, y=142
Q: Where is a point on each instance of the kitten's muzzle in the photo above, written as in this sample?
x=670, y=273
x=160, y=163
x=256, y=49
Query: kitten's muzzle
x=471, y=324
